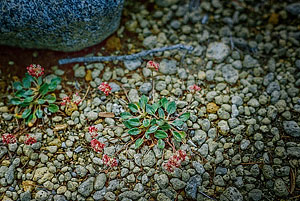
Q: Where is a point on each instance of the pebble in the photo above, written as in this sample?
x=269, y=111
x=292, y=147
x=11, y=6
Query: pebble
x=80, y=72
x=168, y=67
x=217, y=52
x=291, y=128
x=92, y=116
x=230, y=74
x=249, y=62
x=145, y=88
x=86, y=187
x=132, y=64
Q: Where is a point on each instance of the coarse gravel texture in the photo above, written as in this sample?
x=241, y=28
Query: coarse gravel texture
x=243, y=132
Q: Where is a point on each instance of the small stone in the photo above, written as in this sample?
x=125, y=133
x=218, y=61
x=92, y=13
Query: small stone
x=291, y=128
x=177, y=183
x=212, y=108
x=150, y=42
x=100, y=181
x=134, y=95
x=236, y=100
x=230, y=74
x=231, y=193
x=145, y=88
x=99, y=195
x=255, y=194
x=132, y=64
x=249, y=62
x=192, y=186
x=41, y=195
x=162, y=197
x=293, y=8
x=149, y=159
x=293, y=151
x=92, y=116
x=80, y=72
x=86, y=187
x=280, y=188
x=217, y=51
x=198, y=167
x=88, y=76
x=168, y=67
x=7, y=116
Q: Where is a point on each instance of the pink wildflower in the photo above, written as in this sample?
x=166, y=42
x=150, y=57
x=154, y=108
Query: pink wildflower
x=97, y=146
x=153, y=64
x=76, y=99
x=93, y=131
x=29, y=140
x=65, y=100
x=175, y=161
x=105, y=88
x=194, y=88
x=35, y=70
x=8, y=139
x=111, y=162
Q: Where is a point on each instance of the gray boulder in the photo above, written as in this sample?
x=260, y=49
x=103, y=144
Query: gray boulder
x=58, y=25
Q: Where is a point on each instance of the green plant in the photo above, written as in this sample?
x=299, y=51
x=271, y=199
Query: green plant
x=157, y=122
x=32, y=95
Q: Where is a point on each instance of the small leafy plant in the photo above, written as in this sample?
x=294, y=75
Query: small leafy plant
x=32, y=95
x=157, y=122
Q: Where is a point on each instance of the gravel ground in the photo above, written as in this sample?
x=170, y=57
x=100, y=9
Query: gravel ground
x=243, y=132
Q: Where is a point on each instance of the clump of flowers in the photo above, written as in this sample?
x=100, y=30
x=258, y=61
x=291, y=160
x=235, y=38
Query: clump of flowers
x=105, y=88
x=8, y=138
x=152, y=65
x=97, y=146
x=32, y=95
x=93, y=131
x=194, y=88
x=35, y=70
x=111, y=162
x=29, y=140
x=76, y=99
x=175, y=161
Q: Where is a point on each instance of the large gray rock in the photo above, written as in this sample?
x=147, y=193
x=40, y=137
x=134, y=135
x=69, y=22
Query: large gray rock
x=58, y=25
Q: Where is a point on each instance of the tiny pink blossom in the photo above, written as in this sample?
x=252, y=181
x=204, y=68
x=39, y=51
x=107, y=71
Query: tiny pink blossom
x=153, y=64
x=97, y=146
x=29, y=140
x=76, y=99
x=194, y=88
x=111, y=162
x=93, y=131
x=175, y=161
x=8, y=139
x=65, y=100
x=35, y=70
x=105, y=88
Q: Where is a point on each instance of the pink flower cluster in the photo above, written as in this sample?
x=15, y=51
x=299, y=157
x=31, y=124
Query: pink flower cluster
x=152, y=65
x=111, y=162
x=76, y=100
x=8, y=139
x=29, y=140
x=194, y=88
x=93, y=131
x=95, y=144
x=105, y=88
x=35, y=70
x=175, y=161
